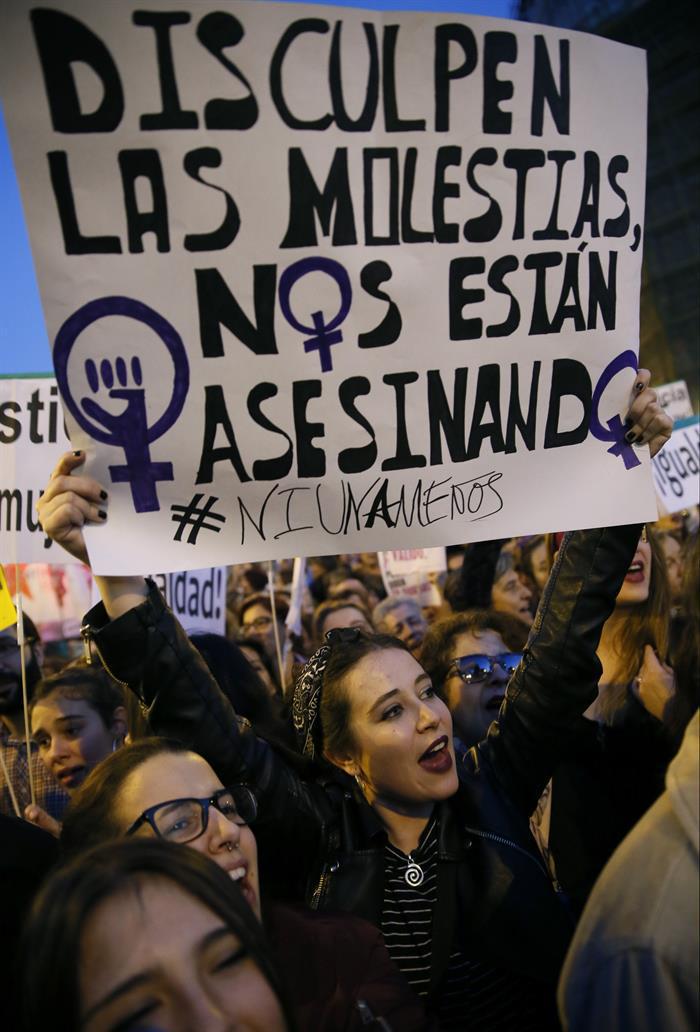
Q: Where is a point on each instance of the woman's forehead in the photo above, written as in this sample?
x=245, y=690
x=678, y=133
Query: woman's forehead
x=377, y=671
x=55, y=706
x=487, y=642
x=168, y=776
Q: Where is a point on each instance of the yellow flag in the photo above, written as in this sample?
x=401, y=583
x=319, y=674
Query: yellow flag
x=8, y=613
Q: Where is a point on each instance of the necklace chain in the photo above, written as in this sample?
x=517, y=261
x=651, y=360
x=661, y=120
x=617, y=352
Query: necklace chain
x=413, y=875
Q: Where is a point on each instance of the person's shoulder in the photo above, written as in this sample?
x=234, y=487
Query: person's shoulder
x=644, y=894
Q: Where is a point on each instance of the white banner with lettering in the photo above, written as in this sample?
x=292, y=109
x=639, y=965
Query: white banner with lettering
x=32, y=440
x=321, y=280
x=677, y=467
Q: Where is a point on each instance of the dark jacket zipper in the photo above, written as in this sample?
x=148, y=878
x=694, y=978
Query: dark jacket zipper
x=514, y=845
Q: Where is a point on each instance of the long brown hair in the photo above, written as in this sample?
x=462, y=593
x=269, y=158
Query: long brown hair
x=53, y=935
x=646, y=623
x=686, y=658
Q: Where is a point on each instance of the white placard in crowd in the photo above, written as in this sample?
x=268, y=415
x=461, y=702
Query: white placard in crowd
x=401, y=561
x=296, y=597
x=32, y=440
x=674, y=399
x=322, y=280
x=197, y=597
x=411, y=572
x=677, y=467
x=55, y=595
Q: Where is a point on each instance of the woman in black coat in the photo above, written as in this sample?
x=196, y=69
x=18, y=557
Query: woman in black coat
x=438, y=855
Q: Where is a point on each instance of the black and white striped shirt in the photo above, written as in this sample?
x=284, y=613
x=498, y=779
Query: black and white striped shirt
x=474, y=996
x=407, y=914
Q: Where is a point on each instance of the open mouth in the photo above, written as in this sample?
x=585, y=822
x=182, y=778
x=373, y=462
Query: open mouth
x=494, y=703
x=437, y=758
x=240, y=875
x=71, y=776
x=635, y=574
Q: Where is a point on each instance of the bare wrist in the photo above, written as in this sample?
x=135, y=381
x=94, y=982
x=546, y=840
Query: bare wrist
x=120, y=594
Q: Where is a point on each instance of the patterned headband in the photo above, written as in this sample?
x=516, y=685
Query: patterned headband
x=306, y=701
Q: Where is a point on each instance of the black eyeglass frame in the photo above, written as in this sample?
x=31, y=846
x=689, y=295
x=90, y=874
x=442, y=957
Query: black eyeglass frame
x=148, y=815
x=508, y=661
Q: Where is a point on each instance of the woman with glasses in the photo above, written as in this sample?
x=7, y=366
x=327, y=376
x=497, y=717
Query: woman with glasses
x=438, y=854
x=158, y=789
x=141, y=935
x=470, y=665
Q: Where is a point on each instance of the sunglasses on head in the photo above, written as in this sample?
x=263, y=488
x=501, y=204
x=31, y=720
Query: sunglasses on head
x=476, y=669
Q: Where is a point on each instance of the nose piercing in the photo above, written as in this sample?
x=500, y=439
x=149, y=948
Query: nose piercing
x=229, y=846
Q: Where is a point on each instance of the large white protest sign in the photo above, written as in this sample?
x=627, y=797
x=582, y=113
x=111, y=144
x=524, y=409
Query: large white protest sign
x=323, y=279
x=32, y=440
x=677, y=467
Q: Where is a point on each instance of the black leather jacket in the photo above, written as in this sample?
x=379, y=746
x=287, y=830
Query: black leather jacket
x=493, y=889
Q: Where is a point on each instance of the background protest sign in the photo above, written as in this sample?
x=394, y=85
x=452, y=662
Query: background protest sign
x=8, y=613
x=407, y=572
x=56, y=596
x=677, y=467
x=674, y=399
x=196, y=597
x=32, y=440
x=323, y=280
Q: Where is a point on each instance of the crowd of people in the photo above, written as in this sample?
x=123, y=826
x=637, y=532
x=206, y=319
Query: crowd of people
x=477, y=814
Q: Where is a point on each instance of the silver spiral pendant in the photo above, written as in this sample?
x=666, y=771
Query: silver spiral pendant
x=414, y=874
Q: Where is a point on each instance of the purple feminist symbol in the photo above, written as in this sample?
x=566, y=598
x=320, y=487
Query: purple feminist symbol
x=616, y=429
x=122, y=381
x=324, y=333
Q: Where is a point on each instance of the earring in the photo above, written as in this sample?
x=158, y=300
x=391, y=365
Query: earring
x=117, y=743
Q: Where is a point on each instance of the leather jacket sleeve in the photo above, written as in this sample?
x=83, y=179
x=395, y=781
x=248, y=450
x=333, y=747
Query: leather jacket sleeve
x=558, y=677
x=147, y=650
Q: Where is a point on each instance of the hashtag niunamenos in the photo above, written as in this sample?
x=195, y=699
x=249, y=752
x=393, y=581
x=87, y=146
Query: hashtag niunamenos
x=195, y=516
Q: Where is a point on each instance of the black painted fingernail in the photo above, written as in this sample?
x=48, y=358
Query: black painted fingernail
x=629, y=422
x=639, y=387
x=630, y=437
x=102, y=514
x=77, y=453
x=103, y=495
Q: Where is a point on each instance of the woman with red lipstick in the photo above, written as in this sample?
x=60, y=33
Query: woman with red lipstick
x=635, y=640
x=438, y=855
x=616, y=767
